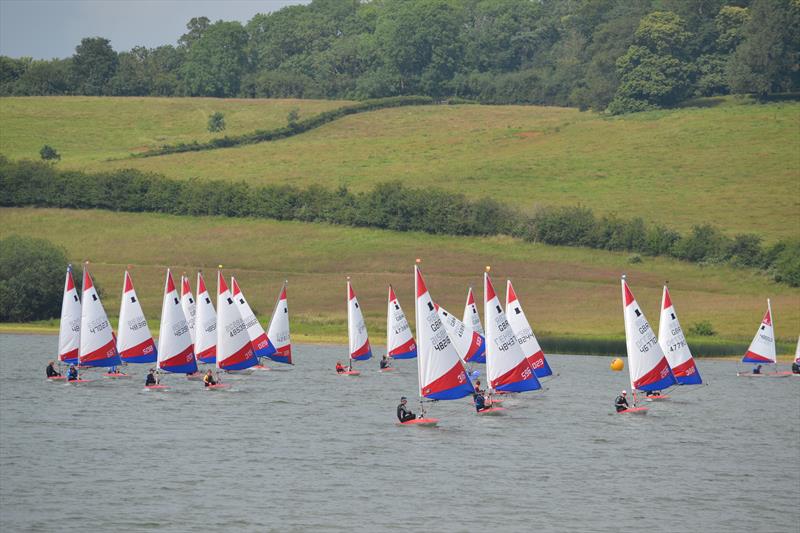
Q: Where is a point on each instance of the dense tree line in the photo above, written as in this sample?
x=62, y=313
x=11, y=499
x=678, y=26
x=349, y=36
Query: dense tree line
x=626, y=55
x=390, y=206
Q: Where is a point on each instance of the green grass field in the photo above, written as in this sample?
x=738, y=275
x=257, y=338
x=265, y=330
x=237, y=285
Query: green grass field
x=565, y=291
x=735, y=165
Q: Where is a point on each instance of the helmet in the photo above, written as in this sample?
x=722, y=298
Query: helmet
x=624, y=392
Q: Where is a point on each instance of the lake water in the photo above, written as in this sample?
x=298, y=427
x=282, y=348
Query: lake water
x=307, y=450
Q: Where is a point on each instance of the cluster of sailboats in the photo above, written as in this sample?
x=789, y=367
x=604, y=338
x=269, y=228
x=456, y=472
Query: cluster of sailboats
x=191, y=331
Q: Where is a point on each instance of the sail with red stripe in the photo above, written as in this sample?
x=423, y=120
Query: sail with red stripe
x=278, y=331
x=440, y=369
x=647, y=365
x=134, y=341
x=189, y=305
x=507, y=368
x=205, y=325
x=234, y=349
x=762, y=348
x=471, y=317
x=97, y=346
x=400, y=342
x=69, y=330
x=470, y=345
x=262, y=347
x=175, y=347
x=356, y=328
x=525, y=336
x=673, y=344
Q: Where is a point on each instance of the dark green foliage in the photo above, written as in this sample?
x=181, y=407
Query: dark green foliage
x=293, y=116
x=702, y=329
x=639, y=53
x=216, y=122
x=389, y=206
x=48, y=153
x=31, y=272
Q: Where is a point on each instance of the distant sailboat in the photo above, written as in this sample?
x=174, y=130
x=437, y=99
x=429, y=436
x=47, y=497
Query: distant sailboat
x=234, y=349
x=175, y=347
x=647, y=365
x=673, y=343
x=134, y=341
x=205, y=329
x=69, y=331
x=525, y=336
x=762, y=348
x=471, y=317
x=400, y=342
x=470, y=345
x=262, y=347
x=358, y=337
x=441, y=372
x=278, y=331
x=97, y=345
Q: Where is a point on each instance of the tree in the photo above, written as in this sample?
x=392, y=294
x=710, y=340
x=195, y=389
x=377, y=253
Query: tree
x=197, y=27
x=31, y=276
x=48, y=153
x=216, y=61
x=216, y=122
x=93, y=65
x=766, y=60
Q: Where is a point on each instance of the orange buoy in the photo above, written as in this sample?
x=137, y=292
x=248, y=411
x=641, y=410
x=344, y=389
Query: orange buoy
x=617, y=365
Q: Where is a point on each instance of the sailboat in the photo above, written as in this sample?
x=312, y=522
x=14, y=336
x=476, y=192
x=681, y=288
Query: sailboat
x=356, y=332
x=399, y=340
x=205, y=329
x=647, y=365
x=278, y=330
x=234, y=349
x=471, y=318
x=134, y=341
x=175, y=347
x=440, y=370
x=507, y=368
x=762, y=348
x=470, y=345
x=189, y=305
x=673, y=343
x=97, y=345
x=525, y=336
x=69, y=331
x=797, y=356
x=262, y=347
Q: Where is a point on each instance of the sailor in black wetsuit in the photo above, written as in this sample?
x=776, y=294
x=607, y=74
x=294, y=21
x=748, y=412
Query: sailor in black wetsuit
x=51, y=371
x=151, y=379
x=72, y=375
x=478, y=398
x=757, y=369
x=403, y=413
x=621, y=403
x=208, y=379
x=384, y=362
x=795, y=368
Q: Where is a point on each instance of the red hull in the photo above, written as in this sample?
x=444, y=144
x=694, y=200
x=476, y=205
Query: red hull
x=218, y=386
x=493, y=411
x=634, y=411
x=350, y=373
x=420, y=422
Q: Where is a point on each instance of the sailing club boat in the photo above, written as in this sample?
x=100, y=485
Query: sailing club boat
x=234, y=349
x=69, y=330
x=356, y=332
x=97, y=345
x=175, y=347
x=762, y=348
x=399, y=339
x=278, y=330
x=525, y=336
x=205, y=329
x=262, y=347
x=134, y=341
x=673, y=343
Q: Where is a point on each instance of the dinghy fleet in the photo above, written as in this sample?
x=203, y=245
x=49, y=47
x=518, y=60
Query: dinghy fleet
x=231, y=338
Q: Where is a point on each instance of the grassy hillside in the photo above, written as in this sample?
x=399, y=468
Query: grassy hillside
x=86, y=129
x=734, y=165
x=565, y=291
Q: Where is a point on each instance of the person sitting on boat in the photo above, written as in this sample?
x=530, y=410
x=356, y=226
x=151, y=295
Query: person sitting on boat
x=340, y=368
x=480, y=401
x=51, y=371
x=208, y=379
x=757, y=369
x=652, y=393
x=795, y=368
x=151, y=380
x=72, y=375
x=113, y=371
x=384, y=362
x=404, y=414
x=621, y=403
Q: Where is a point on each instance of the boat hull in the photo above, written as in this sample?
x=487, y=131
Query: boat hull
x=350, y=373
x=218, y=386
x=57, y=378
x=662, y=398
x=77, y=382
x=493, y=411
x=387, y=369
x=634, y=411
x=158, y=388
x=420, y=422
x=117, y=375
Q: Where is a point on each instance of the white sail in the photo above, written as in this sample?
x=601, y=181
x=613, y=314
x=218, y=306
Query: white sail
x=205, y=329
x=69, y=331
x=234, y=350
x=278, y=331
x=399, y=340
x=673, y=343
x=134, y=341
x=762, y=348
x=525, y=337
x=356, y=328
x=468, y=343
x=189, y=305
x=258, y=337
x=175, y=348
x=471, y=317
x=97, y=346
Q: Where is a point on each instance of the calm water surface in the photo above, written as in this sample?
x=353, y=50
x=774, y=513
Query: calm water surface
x=305, y=449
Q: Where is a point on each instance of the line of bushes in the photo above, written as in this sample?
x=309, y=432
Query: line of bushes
x=291, y=129
x=389, y=206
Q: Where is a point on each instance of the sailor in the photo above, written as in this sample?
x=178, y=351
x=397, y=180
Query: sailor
x=757, y=369
x=651, y=393
x=796, y=367
x=339, y=367
x=403, y=413
x=151, y=380
x=621, y=403
x=385, y=362
x=51, y=371
x=478, y=397
x=208, y=379
x=72, y=375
